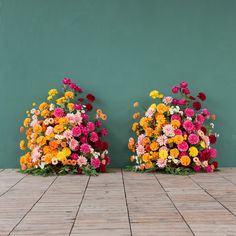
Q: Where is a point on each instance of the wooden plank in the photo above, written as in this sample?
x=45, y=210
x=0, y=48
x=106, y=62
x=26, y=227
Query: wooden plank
x=103, y=211
x=55, y=212
x=17, y=202
x=150, y=209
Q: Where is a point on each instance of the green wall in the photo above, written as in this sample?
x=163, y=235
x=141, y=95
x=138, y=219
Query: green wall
x=120, y=50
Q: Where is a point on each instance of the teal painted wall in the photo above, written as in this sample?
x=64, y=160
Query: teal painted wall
x=120, y=50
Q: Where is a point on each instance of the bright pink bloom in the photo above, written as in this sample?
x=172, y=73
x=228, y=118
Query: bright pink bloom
x=197, y=168
x=213, y=152
x=189, y=112
x=66, y=81
x=178, y=132
x=59, y=112
x=74, y=144
x=84, y=130
x=183, y=147
x=182, y=101
x=167, y=100
x=193, y=139
x=78, y=106
x=183, y=84
x=95, y=162
x=78, y=89
x=188, y=126
x=72, y=85
x=94, y=137
x=83, y=139
x=175, y=89
x=208, y=169
x=98, y=123
x=74, y=156
x=84, y=116
x=90, y=126
x=76, y=131
x=85, y=148
x=176, y=117
x=206, y=113
x=104, y=132
x=162, y=140
x=175, y=101
x=200, y=118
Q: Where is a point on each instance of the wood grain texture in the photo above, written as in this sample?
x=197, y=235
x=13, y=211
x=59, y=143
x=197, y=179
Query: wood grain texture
x=118, y=203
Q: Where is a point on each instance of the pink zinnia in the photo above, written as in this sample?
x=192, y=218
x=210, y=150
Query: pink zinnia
x=188, y=126
x=74, y=144
x=208, y=169
x=59, y=112
x=167, y=100
x=83, y=139
x=189, y=112
x=140, y=138
x=85, y=148
x=68, y=134
x=140, y=150
x=183, y=84
x=82, y=161
x=76, y=131
x=206, y=113
x=95, y=162
x=85, y=130
x=193, y=139
x=90, y=126
x=94, y=137
x=213, y=152
x=162, y=140
x=200, y=118
x=74, y=118
x=84, y=116
x=149, y=113
x=175, y=89
x=78, y=106
x=103, y=132
x=178, y=132
x=183, y=147
x=161, y=163
x=98, y=123
x=168, y=130
x=176, y=117
x=66, y=81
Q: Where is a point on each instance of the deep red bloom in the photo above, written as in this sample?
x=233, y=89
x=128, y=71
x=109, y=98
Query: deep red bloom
x=192, y=98
x=90, y=97
x=212, y=138
x=102, y=145
x=81, y=99
x=78, y=89
x=215, y=164
x=89, y=107
x=204, y=130
x=103, y=168
x=205, y=155
x=197, y=106
x=186, y=91
x=202, y=96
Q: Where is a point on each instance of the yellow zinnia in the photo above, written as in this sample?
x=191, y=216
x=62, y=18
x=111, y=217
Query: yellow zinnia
x=193, y=152
x=163, y=154
x=154, y=94
x=134, y=126
x=52, y=92
x=66, y=151
x=69, y=95
x=161, y=108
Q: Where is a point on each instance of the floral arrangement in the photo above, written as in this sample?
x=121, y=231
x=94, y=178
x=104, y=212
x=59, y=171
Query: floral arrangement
x=175, y=134
x=61, y=137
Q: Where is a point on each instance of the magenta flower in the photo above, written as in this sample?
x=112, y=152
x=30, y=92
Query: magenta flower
x=197, y=168
x=183, y=84
x=66, y=81
x=74, y=156
x=206, y=113
x=78, y=106
x=200, y=119
x=85, y=148
x=90, y=126
x=98, y=123
x=189, y=126
x=84, y=116
x=208, y=169
x=76, y=131
x=189, y=112
x=83, y=139
x=182, y=101
x=193, y=139
x=94, y=137
x=104, y=132
x=59, y=112
x=213, y=152
x=178, y=132
x=186, y=91
x=183, y=147
x=176, y=117
x=95, y=162
x=175, y=89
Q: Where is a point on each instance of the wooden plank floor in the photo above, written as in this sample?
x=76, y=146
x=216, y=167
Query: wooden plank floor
x=118, y=203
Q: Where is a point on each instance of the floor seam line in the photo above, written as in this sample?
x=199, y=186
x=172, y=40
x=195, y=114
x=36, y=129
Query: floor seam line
x=175, y=206
x=222, y=176
x=81, y=202
x=205, y=190
x=32, y=206
x=13, y=186
x=127, y=207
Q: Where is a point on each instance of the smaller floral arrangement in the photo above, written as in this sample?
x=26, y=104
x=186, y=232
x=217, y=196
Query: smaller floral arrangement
x=175, y=135
x=63, y=135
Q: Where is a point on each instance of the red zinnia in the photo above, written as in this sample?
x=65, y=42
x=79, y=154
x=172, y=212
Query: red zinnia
x=89, y=107
x=204, y=130
x=197, y=106
x=81, y=99
x=202, y=96
x=192, y=98
x=212, y=139
x=215, y=164
x=90, y=97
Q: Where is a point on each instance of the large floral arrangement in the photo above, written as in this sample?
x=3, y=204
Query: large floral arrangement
x=61, y=137
x=175, y=135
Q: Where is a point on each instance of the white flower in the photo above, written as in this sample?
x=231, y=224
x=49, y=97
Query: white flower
x=217, y=135
x=42, y=165
x=57, y=136
x=51, y=108
x=212, y=125
x=189, y=118
x=33, y=111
